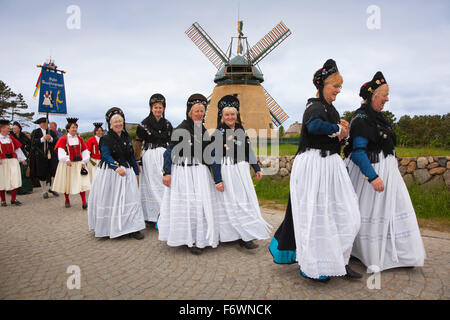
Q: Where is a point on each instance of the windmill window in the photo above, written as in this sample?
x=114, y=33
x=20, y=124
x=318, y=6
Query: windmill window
x=239, y=69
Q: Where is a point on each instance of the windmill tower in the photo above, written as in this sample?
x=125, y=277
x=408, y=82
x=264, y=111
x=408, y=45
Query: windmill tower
x=240, y=75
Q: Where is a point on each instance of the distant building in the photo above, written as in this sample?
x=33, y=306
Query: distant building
x=294, y=128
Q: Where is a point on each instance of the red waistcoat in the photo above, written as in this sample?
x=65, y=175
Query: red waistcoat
x=9, y=149
x=74, y=152
x=92, y=146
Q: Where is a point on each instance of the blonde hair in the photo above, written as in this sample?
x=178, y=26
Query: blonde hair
x=190, y=111
x=115, y=116
x=335, y=78
x=229, y=109
x=232, y=109
x=377, y=92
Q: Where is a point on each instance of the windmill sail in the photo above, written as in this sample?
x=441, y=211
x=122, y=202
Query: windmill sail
x=269, y=42
x=277, y=114
x=207, y=45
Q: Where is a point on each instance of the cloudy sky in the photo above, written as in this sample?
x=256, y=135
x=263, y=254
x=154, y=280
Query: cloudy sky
x=124, y=51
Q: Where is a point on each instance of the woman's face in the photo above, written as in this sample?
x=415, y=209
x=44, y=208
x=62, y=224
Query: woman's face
x=4, y=130
x=99, y=132
x=73, y=129
x=117, y=125
x=380, y=98
x=197, y=112
x=16, y=130
x=157, y=109
x=330, y=91
x=229, y=118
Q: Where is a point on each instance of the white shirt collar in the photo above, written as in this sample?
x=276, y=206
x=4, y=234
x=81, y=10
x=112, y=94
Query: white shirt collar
x=72, y=140
x=5, y=139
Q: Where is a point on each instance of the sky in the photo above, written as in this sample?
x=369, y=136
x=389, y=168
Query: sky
x=123, y=52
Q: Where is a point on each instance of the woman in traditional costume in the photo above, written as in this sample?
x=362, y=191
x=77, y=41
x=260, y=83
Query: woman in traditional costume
x=190, y=202
x=154, y=131
x=94, y=150
x=389, y=236
x=114, y=202
x=27, y=184
x=241, y=216
x=10, y=156
x=71, y=174
x=322, y=217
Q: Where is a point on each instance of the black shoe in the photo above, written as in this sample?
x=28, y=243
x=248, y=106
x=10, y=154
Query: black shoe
x=45, y=195
x=67, y=205
x=54, y=193
x=4, y=204
x=248, y=244
x=16, y=203
x=195, y=250
x=351, y=274
x=84, y=206
x=137, y=235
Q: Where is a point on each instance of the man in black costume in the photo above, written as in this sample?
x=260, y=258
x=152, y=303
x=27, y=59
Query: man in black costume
x=43, y=156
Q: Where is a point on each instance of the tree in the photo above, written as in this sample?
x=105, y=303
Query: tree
x=13, y=106
x=281, y=131
x=6, y=98
x=389, y=116
x=348, y=115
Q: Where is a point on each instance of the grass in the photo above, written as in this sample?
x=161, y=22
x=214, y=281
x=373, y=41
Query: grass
x=283, y=150
x=421, y=151
x=290, y=150
x=432, y=206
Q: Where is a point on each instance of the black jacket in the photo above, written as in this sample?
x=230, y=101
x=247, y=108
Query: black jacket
x=154, y=133
x=317, y=108
x=374, y=127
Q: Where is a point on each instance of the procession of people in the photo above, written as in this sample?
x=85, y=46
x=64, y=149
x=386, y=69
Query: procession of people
x=195, y=186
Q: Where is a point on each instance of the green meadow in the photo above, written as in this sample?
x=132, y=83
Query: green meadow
x=432, y=206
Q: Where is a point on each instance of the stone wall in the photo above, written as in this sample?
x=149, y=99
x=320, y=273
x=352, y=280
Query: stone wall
x=427, y=171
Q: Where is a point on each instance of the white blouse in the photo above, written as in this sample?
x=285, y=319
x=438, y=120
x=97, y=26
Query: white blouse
x=72, y=141
x=6, y=140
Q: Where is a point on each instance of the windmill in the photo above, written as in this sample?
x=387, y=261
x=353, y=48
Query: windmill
x=241, y=76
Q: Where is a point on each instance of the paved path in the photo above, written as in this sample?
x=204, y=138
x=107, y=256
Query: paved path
x=38, y=244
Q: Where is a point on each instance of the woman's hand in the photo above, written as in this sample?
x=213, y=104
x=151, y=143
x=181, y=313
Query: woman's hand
x=259, y=175
x=343, y=123
x=121, y=172
x=378, y=184
x=344, y=133
x=220, y=187
x=69, y=164
x=167, y=180
x=23, y=162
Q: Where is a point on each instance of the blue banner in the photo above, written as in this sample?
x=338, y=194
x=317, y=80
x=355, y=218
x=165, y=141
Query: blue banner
x=52, y=96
